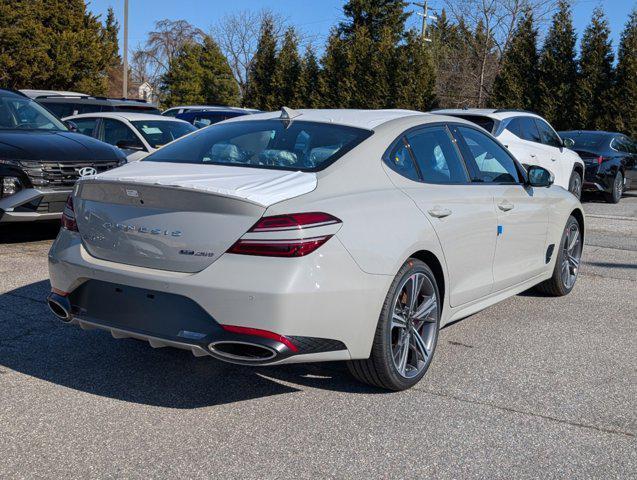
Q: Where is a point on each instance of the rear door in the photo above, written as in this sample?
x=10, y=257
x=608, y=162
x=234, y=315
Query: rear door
x=522, y=213
x=462, y=214
x=522, y=138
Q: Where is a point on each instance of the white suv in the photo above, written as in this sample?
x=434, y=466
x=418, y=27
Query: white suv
x=532, y=141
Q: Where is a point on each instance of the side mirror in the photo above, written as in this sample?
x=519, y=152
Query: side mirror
x=568, y=142
x=539, y=177
x=72, y=126
x=130, y=145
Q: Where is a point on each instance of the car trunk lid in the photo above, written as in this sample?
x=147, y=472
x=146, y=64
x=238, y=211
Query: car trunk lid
x=158, y=218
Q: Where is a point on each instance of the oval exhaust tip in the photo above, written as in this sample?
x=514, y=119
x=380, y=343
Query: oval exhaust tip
x=60, y=307
x=241, y=351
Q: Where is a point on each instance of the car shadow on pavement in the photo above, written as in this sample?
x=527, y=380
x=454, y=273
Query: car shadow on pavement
x=29, y=232
x=33, y=342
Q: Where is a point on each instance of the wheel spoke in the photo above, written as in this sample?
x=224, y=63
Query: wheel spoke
x=416, y=284
x=404, y=353
x=574, y=241
x=419, y=344
x=426, y=308
x=573, y=261
x=398, y=321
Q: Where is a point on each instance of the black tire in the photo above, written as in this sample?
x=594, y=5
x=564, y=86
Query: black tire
x=380, y=368
x=575, y=184
x=615, y=195
x=556, y=286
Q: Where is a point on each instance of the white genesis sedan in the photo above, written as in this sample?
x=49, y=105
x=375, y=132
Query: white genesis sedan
x=313, y=235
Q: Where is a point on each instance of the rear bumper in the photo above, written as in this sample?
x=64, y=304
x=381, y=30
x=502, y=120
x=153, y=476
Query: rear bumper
x=323, y=303
x=32, y=204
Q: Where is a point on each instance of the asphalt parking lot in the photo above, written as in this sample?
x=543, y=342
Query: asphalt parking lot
x=533, y=387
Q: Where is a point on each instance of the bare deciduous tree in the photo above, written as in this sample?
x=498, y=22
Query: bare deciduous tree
x=496, y=20
x=238, y=34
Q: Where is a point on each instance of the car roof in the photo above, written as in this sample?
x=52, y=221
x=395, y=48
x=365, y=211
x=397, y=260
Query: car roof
x=494, y=113
x=602, y=132
x=12, y=93
x=130, y=116
x=32, y=93
x=367, y=119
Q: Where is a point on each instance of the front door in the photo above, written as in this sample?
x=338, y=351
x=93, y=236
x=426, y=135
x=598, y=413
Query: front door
x=522, y=212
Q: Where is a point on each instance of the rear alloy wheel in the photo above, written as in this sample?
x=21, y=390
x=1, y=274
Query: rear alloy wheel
x=575, y=185
x=567, y=264
x=617, y=191
x=407, y=331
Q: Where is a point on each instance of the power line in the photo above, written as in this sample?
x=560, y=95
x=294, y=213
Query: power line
x=425, y=18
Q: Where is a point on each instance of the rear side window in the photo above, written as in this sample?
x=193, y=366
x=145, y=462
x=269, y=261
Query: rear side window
x=401, y=162
x=487, y=161
x=524, y=128
x=548, y=135
x=274, y=144
x=436, y=156
x=60, y=110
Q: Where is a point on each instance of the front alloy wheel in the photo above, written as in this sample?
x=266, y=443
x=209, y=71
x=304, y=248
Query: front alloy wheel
x=567, y=264
x=407, y=331
x=575, y=185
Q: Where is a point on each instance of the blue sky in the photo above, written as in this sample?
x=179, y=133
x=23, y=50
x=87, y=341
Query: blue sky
x=314, y=17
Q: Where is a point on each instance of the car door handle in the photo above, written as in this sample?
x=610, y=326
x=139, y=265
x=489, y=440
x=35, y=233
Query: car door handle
x=505, y=206
x=439, y=212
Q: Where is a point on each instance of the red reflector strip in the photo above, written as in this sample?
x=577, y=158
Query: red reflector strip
x=68, y=215
x=261, y=333
x=61, y=293
x=278, y=248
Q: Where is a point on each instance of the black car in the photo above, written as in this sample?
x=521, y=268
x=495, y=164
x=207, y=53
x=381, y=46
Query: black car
x=610, y=159
x=40, y=160
x=204, y=118
x=67, y=105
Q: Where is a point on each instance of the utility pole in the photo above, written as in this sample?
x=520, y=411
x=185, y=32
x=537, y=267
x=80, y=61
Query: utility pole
x=125, y=77
x=425, y=17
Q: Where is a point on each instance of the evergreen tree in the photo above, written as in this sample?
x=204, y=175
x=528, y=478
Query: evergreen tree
x=516, y=83
x=200, y=74
x=335, y=79
x=53, y=44
x=308, y=86
x=111, y=45
x=415, y=79
x=594, y=95
x=557, y=70
x=260, y=84
x=375, y=16
x=625, y=111
x=288, y=73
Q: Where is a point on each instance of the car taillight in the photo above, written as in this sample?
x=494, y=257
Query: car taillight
x=294, y=221
x=285, y=247
x=600, y=159
x=68, y=216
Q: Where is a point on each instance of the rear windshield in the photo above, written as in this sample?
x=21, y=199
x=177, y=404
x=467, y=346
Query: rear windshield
x=137, y=109
x=300, y=145
x=484, y=122
x=587, y=140
x=161, y=132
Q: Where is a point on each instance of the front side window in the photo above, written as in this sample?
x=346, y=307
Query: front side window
x=160, y=132
x=117, y=133
x=26, y=114
x=436, y=156
x=274, y=144
x=487, y=161
x=548, y=135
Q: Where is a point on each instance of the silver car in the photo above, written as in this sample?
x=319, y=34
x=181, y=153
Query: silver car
x=313, y=235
